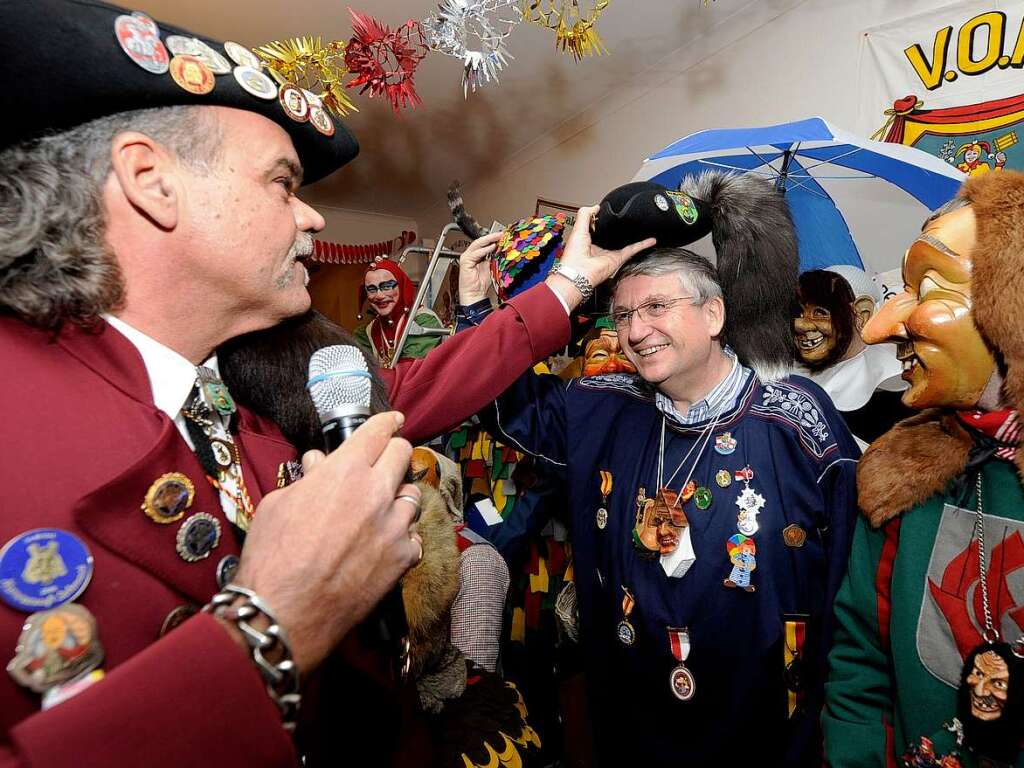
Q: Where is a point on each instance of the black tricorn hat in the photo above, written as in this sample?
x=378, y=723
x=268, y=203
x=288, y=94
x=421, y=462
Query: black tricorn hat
x=647, y=209
x=64, y=66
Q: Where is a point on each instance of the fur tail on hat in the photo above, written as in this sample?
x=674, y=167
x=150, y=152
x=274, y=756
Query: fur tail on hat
x=758, y=266
x=466, y=223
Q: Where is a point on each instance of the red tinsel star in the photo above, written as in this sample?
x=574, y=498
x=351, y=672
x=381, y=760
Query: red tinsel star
x=383, y=60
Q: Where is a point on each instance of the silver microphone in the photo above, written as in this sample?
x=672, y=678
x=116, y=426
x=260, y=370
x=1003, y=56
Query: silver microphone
x=339, y=384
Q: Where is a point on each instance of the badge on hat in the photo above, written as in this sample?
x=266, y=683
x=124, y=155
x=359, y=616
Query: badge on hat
x=320, y=120
x=685, y=206
x=256, y=82
x=293, y=102
x=139, y=38
x=212, y=58
x=55, y=646
x=43, y=568
x=198, y=536
x=241, y=55
x=192, y=74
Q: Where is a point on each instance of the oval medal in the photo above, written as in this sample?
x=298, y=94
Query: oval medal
x=43, y=568
x=625, y=633
x=681, y=682
x=602, y=518
x=723, y=478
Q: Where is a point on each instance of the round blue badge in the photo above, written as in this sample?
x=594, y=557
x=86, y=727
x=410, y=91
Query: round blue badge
x=43, y=568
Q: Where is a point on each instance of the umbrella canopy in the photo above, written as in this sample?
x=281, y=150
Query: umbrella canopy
x=854, y=201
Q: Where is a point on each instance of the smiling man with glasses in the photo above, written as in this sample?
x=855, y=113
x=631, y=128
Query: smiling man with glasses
x=711, y=505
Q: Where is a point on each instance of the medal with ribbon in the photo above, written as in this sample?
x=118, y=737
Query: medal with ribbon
x=681, y=680
x=792, y=658
x=625, y=631
x=606, y=490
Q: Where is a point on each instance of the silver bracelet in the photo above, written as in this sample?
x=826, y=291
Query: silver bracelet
x=282, y=678
x=577, y=278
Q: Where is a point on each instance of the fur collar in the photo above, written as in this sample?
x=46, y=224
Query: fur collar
x=911, y=462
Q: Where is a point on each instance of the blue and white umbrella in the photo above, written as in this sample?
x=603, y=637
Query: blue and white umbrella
x=854, y=201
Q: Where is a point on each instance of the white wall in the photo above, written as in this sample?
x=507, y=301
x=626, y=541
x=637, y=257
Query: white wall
x=771, y=61
x=361, y=227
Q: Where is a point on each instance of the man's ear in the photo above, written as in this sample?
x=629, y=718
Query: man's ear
x=714, y=315
x=147, y=176
x=863, y=308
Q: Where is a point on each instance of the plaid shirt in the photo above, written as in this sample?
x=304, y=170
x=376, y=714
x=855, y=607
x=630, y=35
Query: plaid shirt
x=478, y=608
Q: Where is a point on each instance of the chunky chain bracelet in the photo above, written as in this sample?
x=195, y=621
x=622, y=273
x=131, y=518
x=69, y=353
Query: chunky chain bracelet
x=282, y=677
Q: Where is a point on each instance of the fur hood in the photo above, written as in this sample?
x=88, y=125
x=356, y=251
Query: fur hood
x=932, y=447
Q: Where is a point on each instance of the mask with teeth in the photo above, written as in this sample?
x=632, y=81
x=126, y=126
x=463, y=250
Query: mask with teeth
x=826, y=323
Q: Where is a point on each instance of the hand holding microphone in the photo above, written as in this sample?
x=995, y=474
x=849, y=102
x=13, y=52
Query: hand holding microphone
x=325, y=550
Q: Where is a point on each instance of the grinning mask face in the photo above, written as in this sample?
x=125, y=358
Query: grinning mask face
x=944, y=357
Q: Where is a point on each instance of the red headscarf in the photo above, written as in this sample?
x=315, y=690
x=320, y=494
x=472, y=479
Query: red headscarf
x=406, y=290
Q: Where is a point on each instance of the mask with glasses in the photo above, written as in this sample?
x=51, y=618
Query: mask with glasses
x=649, y=310
x=387, y=285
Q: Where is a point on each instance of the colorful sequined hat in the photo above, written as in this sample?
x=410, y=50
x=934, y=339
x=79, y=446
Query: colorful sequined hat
x=526, y=253
x=69, y=62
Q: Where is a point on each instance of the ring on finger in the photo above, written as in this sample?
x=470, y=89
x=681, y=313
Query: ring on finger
x=414, y=500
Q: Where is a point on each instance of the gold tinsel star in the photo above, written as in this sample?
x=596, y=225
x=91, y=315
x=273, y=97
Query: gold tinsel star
x=574, y=29
x=309, y=64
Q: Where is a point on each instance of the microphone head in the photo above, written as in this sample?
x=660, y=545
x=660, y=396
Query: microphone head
x=339, y=382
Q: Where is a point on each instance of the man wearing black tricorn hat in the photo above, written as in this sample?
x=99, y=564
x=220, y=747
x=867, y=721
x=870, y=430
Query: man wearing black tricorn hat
x=148, y=213
x=711, y=494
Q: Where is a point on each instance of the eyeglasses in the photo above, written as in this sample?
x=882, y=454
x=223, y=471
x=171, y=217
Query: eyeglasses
x=649, y=310
x=387, y=285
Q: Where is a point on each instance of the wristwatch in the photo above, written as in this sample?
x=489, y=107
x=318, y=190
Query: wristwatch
x=576, y=278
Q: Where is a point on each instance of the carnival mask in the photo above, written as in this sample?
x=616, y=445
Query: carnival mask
x=989, y=684
x=944, y=357
x=604, y=355
x=815, y=336
x=381, y=290
x=660, y=523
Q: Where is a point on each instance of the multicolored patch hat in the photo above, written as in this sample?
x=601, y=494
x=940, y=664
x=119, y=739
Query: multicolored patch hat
x=526, y=253
x=68, y=62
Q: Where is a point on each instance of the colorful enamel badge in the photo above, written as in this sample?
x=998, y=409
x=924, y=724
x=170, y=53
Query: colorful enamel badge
x=216, y=391
x=293, y=102
x=625, y=631
x=255, y=82
x=139, y=38
x=681, y=680
x=723, y=478
x=526, y=253
x=314, y=66
x=43, y=568
x=742, y=554
x=55, y=646
x=702, y=497
x=725, y=443
x=168, y=498
x=192, y=75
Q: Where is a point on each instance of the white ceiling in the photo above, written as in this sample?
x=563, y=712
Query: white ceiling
x=407, y=161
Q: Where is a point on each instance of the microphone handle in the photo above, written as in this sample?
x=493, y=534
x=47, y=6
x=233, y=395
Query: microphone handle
x=339, y=429
x=387, y=621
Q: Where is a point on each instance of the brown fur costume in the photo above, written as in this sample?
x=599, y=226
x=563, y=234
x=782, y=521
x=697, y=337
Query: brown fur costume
x=931, y=446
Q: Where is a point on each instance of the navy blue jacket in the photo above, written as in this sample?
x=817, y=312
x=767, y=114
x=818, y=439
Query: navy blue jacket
x=804, y=462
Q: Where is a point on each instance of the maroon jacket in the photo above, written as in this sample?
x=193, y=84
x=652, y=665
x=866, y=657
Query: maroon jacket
x=82, y=444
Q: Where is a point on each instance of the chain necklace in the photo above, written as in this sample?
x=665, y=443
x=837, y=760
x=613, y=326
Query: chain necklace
x=991, y=634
